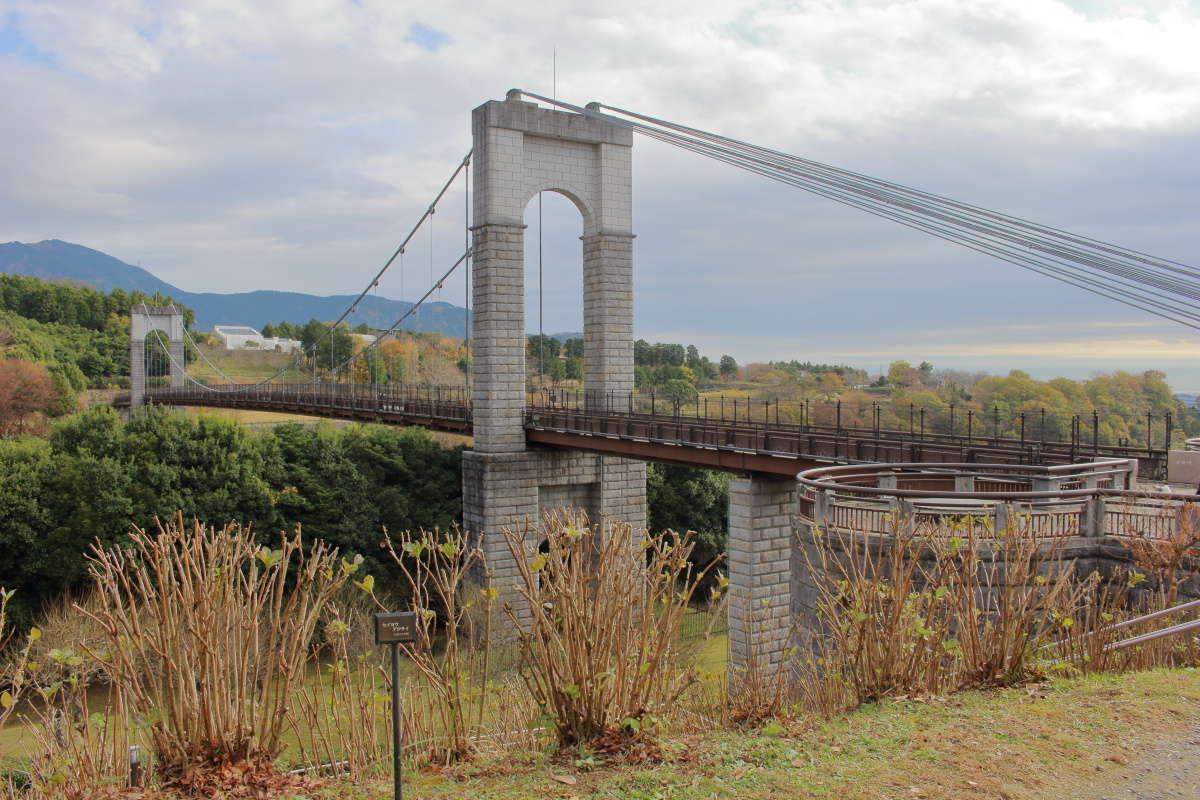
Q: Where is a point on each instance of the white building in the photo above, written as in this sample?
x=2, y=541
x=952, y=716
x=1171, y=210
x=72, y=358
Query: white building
x=243, y=337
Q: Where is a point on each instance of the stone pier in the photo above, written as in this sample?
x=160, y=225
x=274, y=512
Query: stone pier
x=760, y=549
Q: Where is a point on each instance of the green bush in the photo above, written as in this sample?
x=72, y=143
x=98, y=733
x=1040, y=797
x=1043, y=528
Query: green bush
x=94, y=477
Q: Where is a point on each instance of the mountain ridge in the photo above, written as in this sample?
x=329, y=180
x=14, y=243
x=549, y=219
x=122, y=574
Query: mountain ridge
x=54, y=259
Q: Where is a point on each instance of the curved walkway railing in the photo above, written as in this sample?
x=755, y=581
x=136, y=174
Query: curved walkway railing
x=1080, y=500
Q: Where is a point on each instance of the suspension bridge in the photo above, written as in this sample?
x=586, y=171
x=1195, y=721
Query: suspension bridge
x=540, y=450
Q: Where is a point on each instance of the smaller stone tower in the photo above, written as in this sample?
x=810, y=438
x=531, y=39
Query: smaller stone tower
x=143, y=319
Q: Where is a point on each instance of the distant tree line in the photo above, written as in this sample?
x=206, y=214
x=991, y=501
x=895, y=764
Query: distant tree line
x=851, y=376
x=655, y=365
x=81, y=306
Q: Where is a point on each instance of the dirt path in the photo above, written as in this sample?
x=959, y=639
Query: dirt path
x=1170, y=771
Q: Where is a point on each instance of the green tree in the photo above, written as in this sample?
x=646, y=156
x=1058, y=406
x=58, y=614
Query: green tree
x=678, y=393
x=326, y=349
x=685, y=499
x=542, y=352
x=573, y=348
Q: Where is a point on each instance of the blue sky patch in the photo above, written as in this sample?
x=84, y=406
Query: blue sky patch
x=150, y=32
x=427, y=37
x=14, y=42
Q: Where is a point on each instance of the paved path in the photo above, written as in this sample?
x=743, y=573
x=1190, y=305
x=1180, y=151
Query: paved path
x=1169, y=772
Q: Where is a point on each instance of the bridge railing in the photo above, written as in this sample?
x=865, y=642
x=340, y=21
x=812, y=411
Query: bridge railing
x=1082, y=434
x=402, y=403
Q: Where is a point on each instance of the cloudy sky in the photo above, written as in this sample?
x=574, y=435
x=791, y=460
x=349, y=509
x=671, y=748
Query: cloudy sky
x=230, y=146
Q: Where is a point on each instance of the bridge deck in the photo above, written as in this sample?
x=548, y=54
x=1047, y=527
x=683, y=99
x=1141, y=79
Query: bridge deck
x=756, y=446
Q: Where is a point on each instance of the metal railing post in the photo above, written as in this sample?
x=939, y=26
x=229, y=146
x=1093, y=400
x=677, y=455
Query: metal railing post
x=1002, y=517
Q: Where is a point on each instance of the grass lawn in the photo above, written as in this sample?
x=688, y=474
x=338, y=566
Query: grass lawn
x=1052, y=740
x=251, y=417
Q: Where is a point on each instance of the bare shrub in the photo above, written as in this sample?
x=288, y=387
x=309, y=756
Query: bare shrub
x=16, y=658
x=46, y=684
x=884, y=612
x=1168, y=560
x=1117, y=610
x=13, y=683
x=209, y=638
x=446, y=581
x=600, y=646
x=456, y=703
x=80, y=749
x=1163, y=556
x=507, y=720
x=66, y=627
x=340, y=717
x=929, y=609
x=759, y=690
x=1004, y=593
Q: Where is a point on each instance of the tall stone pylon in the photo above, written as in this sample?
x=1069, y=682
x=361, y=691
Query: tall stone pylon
x=520, y=150
x=143, y=319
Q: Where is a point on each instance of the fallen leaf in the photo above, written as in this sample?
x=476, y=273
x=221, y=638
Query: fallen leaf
x=569, y=780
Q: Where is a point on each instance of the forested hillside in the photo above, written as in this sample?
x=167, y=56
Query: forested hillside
x=65, y=337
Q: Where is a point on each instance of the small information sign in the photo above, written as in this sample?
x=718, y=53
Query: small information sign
x=395, y=627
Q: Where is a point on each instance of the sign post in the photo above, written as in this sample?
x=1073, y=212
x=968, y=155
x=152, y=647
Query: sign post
x=392, y=628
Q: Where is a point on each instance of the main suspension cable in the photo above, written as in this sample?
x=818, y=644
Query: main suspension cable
x=1158, y=286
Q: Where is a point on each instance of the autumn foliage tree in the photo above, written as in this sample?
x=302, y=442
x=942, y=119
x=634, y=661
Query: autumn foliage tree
x=26, y=396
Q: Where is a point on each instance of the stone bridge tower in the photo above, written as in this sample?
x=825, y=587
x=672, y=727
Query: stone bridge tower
x=520, y=150
x=144, y=319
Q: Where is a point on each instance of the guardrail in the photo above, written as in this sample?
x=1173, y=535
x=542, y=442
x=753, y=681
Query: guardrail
x=438, y=407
